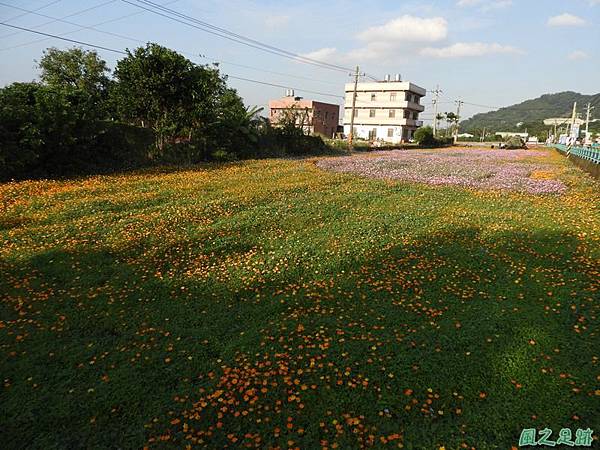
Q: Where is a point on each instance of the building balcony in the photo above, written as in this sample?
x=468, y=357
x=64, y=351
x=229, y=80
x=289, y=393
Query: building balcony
x=384, y=121
x=384, y=104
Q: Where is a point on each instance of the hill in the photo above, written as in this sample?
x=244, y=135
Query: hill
x=532, y=113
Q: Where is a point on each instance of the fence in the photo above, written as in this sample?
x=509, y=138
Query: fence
x=589, y=154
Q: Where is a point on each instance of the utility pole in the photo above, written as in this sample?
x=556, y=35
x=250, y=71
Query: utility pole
x=354, y=95
x=573, y=118
x=459, y=104
x=587, y=120
x=483, y=135
x=437, y=93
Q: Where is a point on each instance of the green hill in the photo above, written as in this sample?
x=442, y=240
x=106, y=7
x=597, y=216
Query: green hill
x=531, y=113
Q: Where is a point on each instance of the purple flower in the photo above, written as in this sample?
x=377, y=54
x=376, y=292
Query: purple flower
x=479, y=169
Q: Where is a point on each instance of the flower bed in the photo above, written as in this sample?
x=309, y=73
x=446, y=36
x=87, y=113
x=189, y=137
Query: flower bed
x=479, y=169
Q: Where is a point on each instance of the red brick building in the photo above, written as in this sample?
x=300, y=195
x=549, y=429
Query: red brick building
x=317, y=117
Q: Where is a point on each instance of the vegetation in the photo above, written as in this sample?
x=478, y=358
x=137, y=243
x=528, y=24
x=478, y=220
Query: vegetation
x=273, y=304
x=514, y=142
x=159, y=107
x=424, y=136
x=530, y=114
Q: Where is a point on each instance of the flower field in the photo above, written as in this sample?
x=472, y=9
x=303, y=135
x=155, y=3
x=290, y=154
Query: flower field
x=439, y=299
x=479, y=169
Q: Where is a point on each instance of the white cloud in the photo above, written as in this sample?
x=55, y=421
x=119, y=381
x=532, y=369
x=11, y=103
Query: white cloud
x=408, y=36
x=407, y=29
x=275, y=22
x=566, y=20
x=470, y=49
x=577, y=55
x=499, y=4
x=465, y=3
x=323, y=54
x=393, y=38
x=486, y=5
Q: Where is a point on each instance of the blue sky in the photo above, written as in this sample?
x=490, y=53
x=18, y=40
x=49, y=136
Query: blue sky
x=488, y=52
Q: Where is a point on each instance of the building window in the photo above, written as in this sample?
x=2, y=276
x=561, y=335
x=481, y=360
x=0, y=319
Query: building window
x=407, y=96
x=373, y=97
x=392, y=113
x=415, y=115
x=393, y=97
x=372, y=113
x=390, y=132
x=373, y=134
x=406, y=114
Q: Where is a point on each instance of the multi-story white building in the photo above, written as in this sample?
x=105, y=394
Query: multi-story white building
x=385, y=110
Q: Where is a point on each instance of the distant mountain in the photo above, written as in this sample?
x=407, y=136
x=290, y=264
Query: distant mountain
x=531, y=113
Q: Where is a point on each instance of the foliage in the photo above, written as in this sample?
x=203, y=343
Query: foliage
x=71, y=121
x=293, y=121
x=237, y=130
x=158, y=88
x=78, y=70
x=531, y=113
x=75, y=68
x=289, y=140
x=42, y=128
x=514, y=142
x=47, y=131
x=273, y=304
x=424, y=136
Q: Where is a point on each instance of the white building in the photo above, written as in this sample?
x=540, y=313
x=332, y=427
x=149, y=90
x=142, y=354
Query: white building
x=385, y=110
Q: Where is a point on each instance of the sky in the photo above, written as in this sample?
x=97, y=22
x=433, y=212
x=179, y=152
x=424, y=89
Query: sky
x=489, y=53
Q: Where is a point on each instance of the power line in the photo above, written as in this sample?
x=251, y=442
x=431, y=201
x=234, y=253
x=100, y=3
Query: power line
x=63, y=38
x=53, y=18
x=81, y=27
x=284, y=87
x=226, y=34
x=18, y=16
x=239, y=36
x=483, y=106
x=87, y=44
x=216, y=60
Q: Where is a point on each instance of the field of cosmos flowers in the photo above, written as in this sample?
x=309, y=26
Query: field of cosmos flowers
x=415, y=299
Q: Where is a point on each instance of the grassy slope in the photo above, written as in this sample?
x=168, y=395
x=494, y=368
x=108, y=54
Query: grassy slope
x=531, y=112
x=139, y=306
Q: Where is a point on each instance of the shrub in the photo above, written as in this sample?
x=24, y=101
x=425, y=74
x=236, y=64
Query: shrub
x=514, y=142
x=47, y=131
x=424, y=136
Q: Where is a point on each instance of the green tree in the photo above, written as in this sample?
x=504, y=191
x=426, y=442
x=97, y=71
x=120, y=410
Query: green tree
x=75, y=68
x=160, y=89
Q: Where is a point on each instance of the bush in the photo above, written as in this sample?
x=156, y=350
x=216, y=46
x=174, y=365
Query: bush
x=46, y=131
x=424, y=136
x=514, y=142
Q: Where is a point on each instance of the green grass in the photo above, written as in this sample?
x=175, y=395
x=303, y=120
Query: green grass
x=225, y=302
